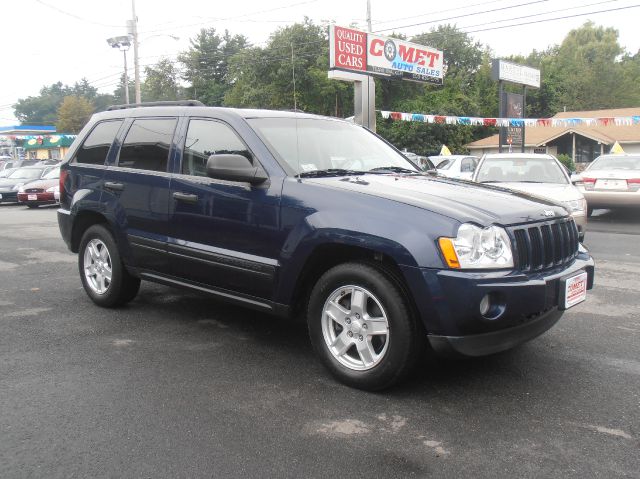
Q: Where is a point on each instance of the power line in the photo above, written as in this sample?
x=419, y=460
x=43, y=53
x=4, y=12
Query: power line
x=462, y=16
x=211, y=19
x=436, y=12
x=553, y=19
x=73, y=15
x=539, y=14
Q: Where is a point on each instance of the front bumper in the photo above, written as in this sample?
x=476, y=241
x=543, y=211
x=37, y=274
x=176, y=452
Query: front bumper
x=41, y=198
x=528, y=304
x=8, y=196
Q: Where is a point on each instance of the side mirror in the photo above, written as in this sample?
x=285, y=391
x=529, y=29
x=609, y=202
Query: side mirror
x=234, y=167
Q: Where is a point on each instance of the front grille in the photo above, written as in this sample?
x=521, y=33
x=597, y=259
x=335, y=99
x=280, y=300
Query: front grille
x=34, y=190
x=545, y=245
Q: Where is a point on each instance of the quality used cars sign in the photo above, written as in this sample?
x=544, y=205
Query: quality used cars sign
x=362, y=52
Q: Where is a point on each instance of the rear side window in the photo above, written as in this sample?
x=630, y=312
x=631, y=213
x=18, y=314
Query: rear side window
x=146, y=146
x=468, y=165
x=95, y=148
x=206, y=138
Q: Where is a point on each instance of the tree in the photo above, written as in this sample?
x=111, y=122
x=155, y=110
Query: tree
x=162, y=82
x=73, y=114
x=264, y=77
x=206, y=64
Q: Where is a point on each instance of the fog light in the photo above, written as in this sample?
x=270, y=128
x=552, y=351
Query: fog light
x=485, y=304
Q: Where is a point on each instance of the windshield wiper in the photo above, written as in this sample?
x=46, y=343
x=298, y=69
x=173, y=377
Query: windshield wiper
x=393, y=169
x=330, y=172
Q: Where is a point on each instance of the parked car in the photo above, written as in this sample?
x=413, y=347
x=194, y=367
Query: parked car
x=6, y=172
x=540, y=175
x=423, y=162
x=40, y=192
x=306, y=216
x=10, y=185
x=611, y=181
x=455, y=166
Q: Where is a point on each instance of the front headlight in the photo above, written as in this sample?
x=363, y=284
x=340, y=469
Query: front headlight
x=577, y=207
x=478, y=248
x=19, y=188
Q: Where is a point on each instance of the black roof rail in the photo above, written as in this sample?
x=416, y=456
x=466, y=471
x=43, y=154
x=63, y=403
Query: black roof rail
x=157, y=103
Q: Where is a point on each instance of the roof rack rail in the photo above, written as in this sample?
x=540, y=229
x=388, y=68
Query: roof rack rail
x=157, y=103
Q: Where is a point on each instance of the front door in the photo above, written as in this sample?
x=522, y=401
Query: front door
x=221, y=233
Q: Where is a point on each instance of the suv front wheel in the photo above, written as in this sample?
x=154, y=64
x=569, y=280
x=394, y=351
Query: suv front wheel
x=362, y=326
x=103, y=275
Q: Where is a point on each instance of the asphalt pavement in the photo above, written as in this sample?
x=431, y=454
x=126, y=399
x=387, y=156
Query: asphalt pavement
x=177, y=385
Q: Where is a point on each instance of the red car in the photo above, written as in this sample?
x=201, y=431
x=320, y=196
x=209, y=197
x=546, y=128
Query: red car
x=40, y=192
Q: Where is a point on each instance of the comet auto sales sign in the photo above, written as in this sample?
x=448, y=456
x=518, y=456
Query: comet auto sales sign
x=362, y=52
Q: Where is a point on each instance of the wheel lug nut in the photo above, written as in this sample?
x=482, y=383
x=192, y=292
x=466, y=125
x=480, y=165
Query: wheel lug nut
x=360, y=337
x=350, y=334
x=364, y=326
x=357, y=316
x=348, y=320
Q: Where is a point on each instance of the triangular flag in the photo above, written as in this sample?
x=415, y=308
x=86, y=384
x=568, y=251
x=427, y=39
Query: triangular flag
x=617, y=149
x=444, y=151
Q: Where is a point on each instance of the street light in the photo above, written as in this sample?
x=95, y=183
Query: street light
x=122, y=43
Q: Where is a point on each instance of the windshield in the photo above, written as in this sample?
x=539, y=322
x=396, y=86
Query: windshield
x=514, y=170
x=444, y=164
x=308, y=145
x=26, y=174
x=52, y=175
x=615, y=163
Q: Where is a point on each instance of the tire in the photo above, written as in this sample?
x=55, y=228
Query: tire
x=589, y=211
x=31, y=206
x=371, y=344
x=99, y=259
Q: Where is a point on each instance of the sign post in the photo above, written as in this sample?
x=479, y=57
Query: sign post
x=513, y=105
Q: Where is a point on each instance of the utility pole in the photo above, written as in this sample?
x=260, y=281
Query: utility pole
x=136, y=63
x=369, y=15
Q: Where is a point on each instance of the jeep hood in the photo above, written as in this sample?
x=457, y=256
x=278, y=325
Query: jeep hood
x=464, y=201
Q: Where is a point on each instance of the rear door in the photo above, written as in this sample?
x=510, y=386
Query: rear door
x=136, y=191
x=221, y=233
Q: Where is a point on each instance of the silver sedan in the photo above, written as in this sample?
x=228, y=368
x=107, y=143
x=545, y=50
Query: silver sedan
x=611, y=181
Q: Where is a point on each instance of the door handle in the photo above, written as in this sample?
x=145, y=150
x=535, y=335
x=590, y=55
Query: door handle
x=185, y=197
x=110, y=185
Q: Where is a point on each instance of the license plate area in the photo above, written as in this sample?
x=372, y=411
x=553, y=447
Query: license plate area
x=611, y=184
x=573, y=290
x=32, y=197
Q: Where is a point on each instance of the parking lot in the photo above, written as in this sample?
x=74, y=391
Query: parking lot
x=179, y=385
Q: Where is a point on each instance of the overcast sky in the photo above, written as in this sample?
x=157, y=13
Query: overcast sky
x=65, y=40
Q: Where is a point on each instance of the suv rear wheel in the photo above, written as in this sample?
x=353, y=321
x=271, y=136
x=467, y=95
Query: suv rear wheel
x=362, y=327
x=103, y=275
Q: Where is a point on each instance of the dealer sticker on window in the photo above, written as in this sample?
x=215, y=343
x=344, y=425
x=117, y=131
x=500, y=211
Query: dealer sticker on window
x=575, y=290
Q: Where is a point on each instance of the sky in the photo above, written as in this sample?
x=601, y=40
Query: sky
x=47, y=41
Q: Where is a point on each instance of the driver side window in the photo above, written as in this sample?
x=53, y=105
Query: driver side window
x=206, y=138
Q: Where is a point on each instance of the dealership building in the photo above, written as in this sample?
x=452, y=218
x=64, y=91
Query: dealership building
x=583, y=141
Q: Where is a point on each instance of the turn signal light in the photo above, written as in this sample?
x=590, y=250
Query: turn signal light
x=449, y=252
x=633, y=181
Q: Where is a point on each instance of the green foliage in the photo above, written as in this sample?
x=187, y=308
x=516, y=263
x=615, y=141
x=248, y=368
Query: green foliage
x=264, y=77
x=567, y=161
x=73, y=114
x=43, y=109
x=206, y=65
x=162, y=82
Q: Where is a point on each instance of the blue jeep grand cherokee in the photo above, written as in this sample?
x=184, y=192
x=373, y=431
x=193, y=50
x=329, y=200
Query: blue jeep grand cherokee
x=296, y=214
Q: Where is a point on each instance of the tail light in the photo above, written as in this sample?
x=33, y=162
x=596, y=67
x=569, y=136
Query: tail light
x=63, y=177
x=588, y=183
x=633, y=184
